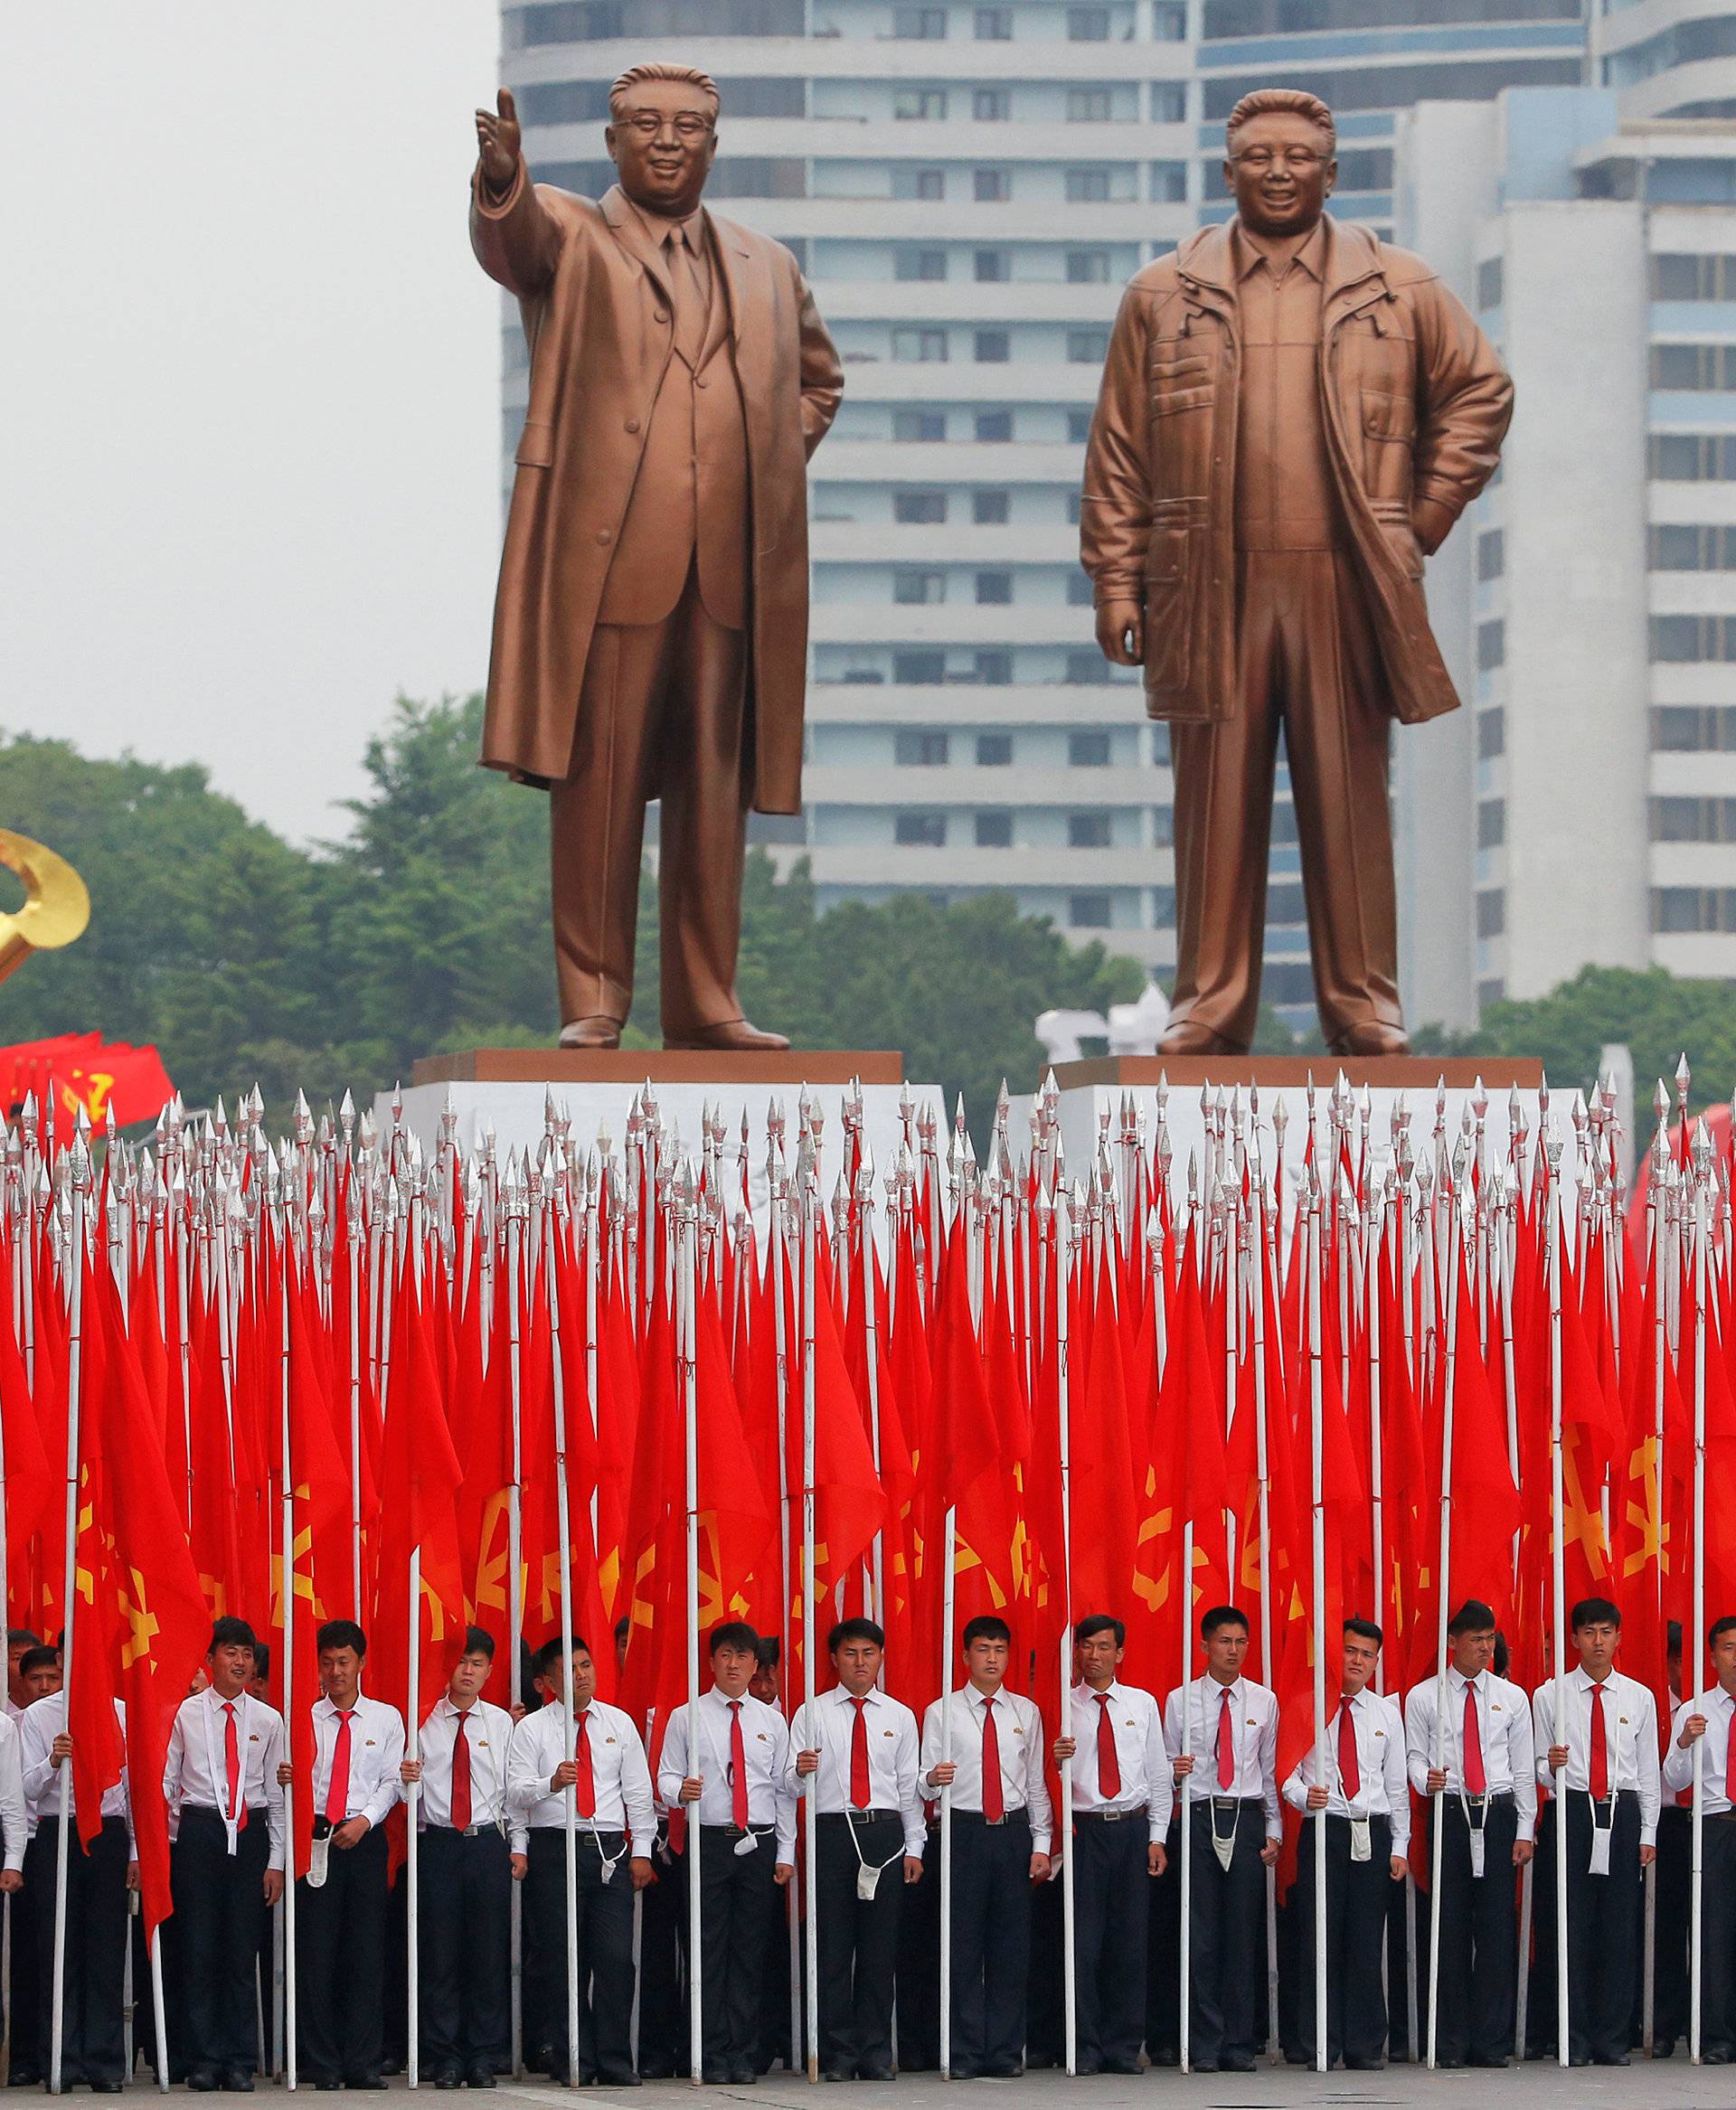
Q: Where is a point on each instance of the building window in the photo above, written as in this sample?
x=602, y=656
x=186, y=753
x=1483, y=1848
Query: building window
x=1088, y=267
x=1168, y=22
x=1284, y=905
x=993, y=427
x=929, y=185
x=1088, y=750
x=1698, y=728
x=926, y=265
x=919, y=750
x=922, y=831
x=919, y=508
x=992, y=105
x=1087, y=347
x=1693, y=457
x=994, y=831
x=927, y=24
x=994, y=750
x=994, y=668
x=1691, y=549
x=1491, y=645
x=1688, y=640
x=1693, y=278
x=1168, y=183
x=1491, y=283
x=1491, y=824
x=1491, y=915
x=1491, y=734
x=994, y=590
x=922, y=105
x=994, y=25
x=1160, y=747
x=1072, y=504
x=990, y=508
x=1694, y=366
x=1088, y=25
x=1682, y=908
x=1089, y=911
x=1089, y=106
x=1078, y=426
x=918, y=425
x=1088, y=831
x=1086, y=670
x=1079, y=590
x=993, y=347
x=1168, y=102
x=991, y=186
x=916, y=590
x=1693, y=820
x=920, y=670
x=1087, y=186
x=993, y=267
x=1491, y=554
x=922, y=346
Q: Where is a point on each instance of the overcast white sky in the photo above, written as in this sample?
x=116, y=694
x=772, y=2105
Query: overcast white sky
x=250, y=377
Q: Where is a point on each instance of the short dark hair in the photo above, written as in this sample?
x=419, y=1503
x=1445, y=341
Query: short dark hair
x=1673, y=1637
x=1727, y=1625
x=770, y=1651
x=1473, y=1616
x=478, y=1642
x=1095, y=1622
x=734, y=1633
x=986, y=1627
x=1265, y=102
x=1594, y=1612
x=43, y=1657
x=261, y=1659
x=1501, y=1657
x=22, y=1637
x=1365, y=1630
x=854, y=1630
x=231, y=1632
x=624, y=1627
x=548, y=1654
x=340, y=1633
x=1222, y=1615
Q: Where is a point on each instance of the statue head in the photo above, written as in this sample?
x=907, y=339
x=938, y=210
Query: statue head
x=662, y=135
x=1279, y=149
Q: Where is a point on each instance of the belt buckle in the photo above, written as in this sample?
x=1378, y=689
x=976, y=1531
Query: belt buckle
x=1226, y=1801
x=1112, y=1816
x=1000, y=1820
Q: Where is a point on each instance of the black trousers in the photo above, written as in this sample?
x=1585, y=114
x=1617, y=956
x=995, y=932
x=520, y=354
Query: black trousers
x=93, y=2041
x=1357, y=1897
x=217, y=1900
x=464, y=1900
x=1476, y=1984
x=919, y=1968
x=737, y=1895
x=604, y=1912
x=1717, y=1937
x=1226, y=1935
x=1675, y=1906
x=340, y=1965
x=663, y=1996
x=1111, y=1911
x=1604, y=1918
x=857, y=1942
x=991, y=1941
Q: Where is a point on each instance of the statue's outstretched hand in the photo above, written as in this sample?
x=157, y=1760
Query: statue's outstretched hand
x=497, y=142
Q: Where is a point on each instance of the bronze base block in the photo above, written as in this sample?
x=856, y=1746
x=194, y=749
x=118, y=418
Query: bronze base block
x=635, y=1066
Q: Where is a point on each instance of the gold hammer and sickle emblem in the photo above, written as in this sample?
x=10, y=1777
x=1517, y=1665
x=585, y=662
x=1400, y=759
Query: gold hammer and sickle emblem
x=57, y=904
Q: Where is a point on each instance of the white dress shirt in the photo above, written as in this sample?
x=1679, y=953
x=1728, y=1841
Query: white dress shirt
x=195, y=1774
x=1147, y=1779
x=893, y=1758
x=487, y=1736
x=1717, y=1706
x=42, y=1723
x=1630, y=1734
x=765, y=1744
x=376, y=1753
x=15, y=1826
x=1503, y=1730
x=1253, y=1716
x=619, y=1774
x=1018, y=1734
x=1383, y=1789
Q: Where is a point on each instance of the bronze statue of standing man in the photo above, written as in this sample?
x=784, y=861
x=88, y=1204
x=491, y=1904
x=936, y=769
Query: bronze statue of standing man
x=1293, y=415
x=651, y=623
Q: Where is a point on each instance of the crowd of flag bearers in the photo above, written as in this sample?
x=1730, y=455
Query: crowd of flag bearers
x=595, y=1814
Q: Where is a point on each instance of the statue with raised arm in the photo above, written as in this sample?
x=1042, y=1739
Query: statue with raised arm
x=1293, y=414
x=650, y=637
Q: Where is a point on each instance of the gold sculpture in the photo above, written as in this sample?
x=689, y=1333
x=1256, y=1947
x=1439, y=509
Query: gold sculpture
x=57, y=904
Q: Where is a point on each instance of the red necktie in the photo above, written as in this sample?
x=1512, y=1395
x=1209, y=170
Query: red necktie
x=1600, y=1746
x=1350, y=1771
x=1477, y=1780
x=1226, y=1747
x=737, y=1770
x=861, y=1793
x=462, y=1777
x=232, y=1764
x=338, y=1795
x=585, y=1788
x=1109, y=1759
x=994, y=1801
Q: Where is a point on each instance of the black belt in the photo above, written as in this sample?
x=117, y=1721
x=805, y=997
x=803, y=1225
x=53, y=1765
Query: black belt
x=1233, y=1801
x=859, y=1816
x=1106, y=1816
x=462, y=1830
x=726, y=1831
x=1019, y=1817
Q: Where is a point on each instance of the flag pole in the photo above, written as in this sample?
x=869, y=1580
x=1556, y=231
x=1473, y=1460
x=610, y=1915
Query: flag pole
x=1186, y=1945
x=515, y=1211
x=1444, y=1560
x=949, y=1553
x=1257, y=1258
x=570, y=1803
x=81, y=1186
x=685, y=1293
x=1316, y=1473
x=287, y=1594
x=1557, y=1562
x=1693, y=1645
x=810, y=1204
x=777, y=1240
x=1069, y=1905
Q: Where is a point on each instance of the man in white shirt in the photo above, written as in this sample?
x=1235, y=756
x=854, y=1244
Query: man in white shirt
x=985, y=1744
x=93, y=2043
x=225, y=1805
x=1482, y=1790
x=607, y=1783
x=856, y=1751
x=730, y=1767
x=340, y=1902
x=38, y=1675
x=1602, y=1763
x=1229, y=1768
x=1123, y=1795
x=464, y=1877
x=1705, y=1721
x=1366, y=1801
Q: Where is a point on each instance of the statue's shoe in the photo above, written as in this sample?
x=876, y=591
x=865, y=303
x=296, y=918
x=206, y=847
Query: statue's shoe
x=596, y=1031
x=730, y=1036
x=1372, y=1038
x=1185, y=1037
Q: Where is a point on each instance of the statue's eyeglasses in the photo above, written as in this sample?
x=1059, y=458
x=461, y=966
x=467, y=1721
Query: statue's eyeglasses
x=1300, y=158
x=648, y=124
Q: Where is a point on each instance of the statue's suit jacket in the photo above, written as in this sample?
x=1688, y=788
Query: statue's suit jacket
x=598, y=320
